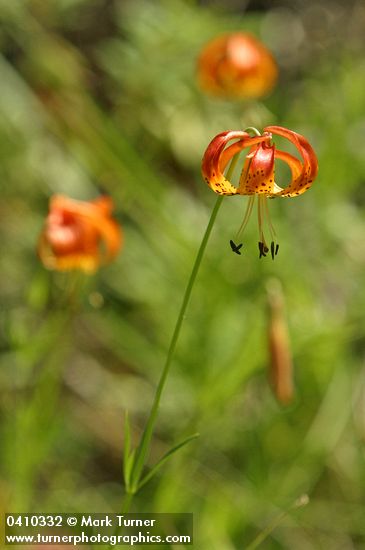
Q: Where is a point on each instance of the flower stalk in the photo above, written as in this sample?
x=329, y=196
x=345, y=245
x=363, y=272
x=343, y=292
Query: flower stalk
x=148, y=431
x=134, y=481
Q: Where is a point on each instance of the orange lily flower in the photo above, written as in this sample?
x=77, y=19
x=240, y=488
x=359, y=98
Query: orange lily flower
x=257, y=176
x=236, y=65
x=79, y=235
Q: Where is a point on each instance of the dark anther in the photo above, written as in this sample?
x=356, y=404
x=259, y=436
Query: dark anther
x=263, y=249
x=272, y=249
x=235, y=247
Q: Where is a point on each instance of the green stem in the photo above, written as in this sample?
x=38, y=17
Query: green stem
x=127, y=503
x=125, y=509
x=147, y=434
x=144, y=444
x=253, y=129
x=301, y=501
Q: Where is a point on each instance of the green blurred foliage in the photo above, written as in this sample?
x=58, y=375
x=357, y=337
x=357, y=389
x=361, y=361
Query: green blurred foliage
x=100, y=96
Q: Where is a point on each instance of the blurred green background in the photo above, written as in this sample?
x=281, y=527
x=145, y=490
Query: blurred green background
x=101, y=96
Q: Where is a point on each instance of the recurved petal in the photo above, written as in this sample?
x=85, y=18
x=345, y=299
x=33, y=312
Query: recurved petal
x=79, y=234
x=95, y=219
x=111, y=235
x=236, y=147
x=101, y=235
x=62, y=203
x=302, y=178
x=258, y=172
x=104, y=204
x=295, y=165
x=217, y=156
x=100, y=206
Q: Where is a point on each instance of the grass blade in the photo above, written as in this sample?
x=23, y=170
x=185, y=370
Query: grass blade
x=162, y=461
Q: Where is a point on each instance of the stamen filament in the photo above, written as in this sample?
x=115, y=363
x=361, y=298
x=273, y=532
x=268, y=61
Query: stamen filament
x=260, y=219
x=247, y=215
x=267, y=213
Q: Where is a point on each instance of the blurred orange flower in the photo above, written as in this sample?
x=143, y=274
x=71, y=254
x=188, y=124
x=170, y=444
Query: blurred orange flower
x=236, y=66
x=79, y=235
x=258, y=173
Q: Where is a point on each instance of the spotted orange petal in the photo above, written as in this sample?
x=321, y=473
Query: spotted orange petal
x=258, y=172
x=304, y=171
x=217, y=156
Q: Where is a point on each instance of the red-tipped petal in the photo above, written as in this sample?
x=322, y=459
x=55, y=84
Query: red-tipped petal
x=302, y=178
x=217, y=156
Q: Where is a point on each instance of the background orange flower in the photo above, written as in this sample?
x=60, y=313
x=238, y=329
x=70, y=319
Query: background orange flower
x=237, y=65
x=79, y=235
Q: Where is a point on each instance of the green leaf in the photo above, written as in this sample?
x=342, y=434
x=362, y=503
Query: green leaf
x=128, y=467
x=128, y=456
x=166, y=456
